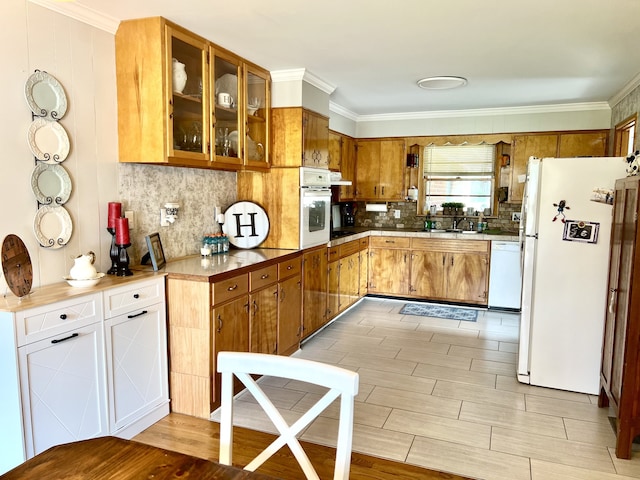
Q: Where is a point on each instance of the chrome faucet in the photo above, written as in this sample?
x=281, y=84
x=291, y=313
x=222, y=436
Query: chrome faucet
x=454, y=224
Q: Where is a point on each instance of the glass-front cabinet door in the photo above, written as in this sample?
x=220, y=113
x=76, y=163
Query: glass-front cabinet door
x=188, y=123
x=257, y=112
x=228, y=131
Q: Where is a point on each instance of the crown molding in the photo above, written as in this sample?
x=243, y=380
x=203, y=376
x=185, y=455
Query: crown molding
x=482, y=112
x=81, y=13
x=299, y=74
x=344, y=112
x=626, y=90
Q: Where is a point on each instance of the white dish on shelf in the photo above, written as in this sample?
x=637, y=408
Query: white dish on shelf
x=87, y=282
x=48, y=141
x=51, y=184
x=45, y=96
x=52, y=226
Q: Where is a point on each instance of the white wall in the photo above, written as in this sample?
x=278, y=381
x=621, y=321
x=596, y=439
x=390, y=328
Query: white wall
x=82, y=58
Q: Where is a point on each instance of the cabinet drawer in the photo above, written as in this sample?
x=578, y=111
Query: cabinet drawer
x=263, y=277
x=289, y=268
x=364, y=243
x=349, y=248
x=389, y=242
x=133, y=296
x=54, y=319
x=231, y=288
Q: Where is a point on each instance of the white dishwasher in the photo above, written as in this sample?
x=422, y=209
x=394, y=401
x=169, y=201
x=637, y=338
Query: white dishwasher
x=505, y=278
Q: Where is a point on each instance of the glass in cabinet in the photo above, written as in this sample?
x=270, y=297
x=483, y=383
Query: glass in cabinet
x=226, y=74
x=188, y=127
x=257, y=111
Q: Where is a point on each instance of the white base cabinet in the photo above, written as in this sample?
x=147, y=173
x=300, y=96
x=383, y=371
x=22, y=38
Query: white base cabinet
x=63, y=385
x=88, y=365
x=136, y=350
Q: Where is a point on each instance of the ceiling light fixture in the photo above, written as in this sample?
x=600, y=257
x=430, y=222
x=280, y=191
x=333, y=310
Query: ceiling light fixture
x=442, y=83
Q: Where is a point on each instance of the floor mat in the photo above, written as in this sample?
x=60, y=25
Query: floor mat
x=440, y=311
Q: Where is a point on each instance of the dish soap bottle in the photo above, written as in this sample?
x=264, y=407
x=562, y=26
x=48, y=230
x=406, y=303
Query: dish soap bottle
x=427, y=222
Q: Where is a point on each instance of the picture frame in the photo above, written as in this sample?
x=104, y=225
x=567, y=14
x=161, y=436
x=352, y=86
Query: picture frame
x=581, y=231
x=156, y=252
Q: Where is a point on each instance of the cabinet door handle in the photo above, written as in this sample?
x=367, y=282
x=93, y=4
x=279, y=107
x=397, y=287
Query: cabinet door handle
x=255, y=307
x=136, y=295
x=219, y=323
x=231, y=289
x=375, y=190
x=264, y=276
x=143, y=312
x=282, y=294
x=73, y=335
x=389, y=241
x=63, y=316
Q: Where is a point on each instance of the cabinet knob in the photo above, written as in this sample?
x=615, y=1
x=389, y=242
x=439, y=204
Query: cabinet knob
x=289, y=267
x=136, y=295
x=63, y=316
x=264, y=276
x=231, y=289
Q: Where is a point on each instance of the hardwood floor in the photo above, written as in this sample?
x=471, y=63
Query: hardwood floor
x=198, y=437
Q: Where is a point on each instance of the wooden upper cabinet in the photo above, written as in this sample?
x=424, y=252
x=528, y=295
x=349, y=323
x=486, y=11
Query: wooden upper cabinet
x=592, y=144
x=226, y=78
x=335, y=151
x=523, y=147
x=380, y=169
x=315, y=140
x=165, y=119
x=299, y=138
x=159, y=122
x=257, y=112
x=570, y=144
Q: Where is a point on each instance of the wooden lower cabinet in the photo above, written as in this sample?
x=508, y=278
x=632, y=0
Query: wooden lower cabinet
x=349, y=281
x=620, y=371
x=251, y=311
x=439, y=269
x=263, y=320
x=289, y=314
x=389, y=265
x=314, y=265
x=428, y=274
x=450, y=270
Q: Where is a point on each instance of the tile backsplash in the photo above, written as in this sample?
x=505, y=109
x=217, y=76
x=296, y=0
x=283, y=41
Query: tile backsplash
x=409, y=218
x=145, y=189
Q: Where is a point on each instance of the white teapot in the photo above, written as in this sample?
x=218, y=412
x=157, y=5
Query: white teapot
x=83, y=268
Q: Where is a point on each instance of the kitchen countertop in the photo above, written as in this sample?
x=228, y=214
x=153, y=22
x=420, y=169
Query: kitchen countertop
x=361, y=232
x=238, y=261
x=224, y=265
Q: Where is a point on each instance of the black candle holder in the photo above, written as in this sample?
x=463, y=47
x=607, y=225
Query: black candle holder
x=113, y=252
x=123, y=261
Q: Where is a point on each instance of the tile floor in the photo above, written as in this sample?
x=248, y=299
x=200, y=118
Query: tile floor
x=443, y=394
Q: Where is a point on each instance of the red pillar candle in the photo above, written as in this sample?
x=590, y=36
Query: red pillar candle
x=115, y=211
x=122, y=231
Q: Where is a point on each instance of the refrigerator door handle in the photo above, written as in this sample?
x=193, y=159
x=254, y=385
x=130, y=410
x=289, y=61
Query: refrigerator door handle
x=532, y=236
x=612, y=299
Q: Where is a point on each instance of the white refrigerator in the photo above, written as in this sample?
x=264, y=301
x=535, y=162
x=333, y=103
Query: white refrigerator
x=565, y=233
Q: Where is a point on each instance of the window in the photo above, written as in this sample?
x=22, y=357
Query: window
x=459, y=173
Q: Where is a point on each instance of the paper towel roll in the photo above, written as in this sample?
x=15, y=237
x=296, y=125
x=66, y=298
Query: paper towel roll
x=376, y=207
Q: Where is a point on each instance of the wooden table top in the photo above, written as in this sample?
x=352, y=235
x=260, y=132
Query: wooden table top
x=115, y=458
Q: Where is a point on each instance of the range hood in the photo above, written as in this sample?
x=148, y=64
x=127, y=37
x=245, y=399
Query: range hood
x=336, y=179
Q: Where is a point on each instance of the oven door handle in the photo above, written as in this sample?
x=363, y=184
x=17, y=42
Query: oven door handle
x=316, y=192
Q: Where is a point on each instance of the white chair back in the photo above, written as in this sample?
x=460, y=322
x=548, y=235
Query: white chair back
x=340, y=382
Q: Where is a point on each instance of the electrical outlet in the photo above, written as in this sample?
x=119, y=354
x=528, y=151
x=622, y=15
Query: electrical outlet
x=515, y=216
x=396, y=213
x=130, y=214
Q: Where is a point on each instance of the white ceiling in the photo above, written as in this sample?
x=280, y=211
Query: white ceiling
x=514, y=53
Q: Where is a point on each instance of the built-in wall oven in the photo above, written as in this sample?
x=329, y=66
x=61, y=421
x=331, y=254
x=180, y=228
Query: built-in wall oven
x=315, y=206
